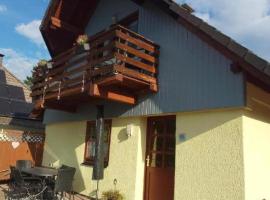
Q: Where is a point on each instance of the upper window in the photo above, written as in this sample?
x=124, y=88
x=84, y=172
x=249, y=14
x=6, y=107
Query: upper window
x=90, y=142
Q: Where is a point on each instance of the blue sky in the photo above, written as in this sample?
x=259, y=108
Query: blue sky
x=20, y=40
x=246, y=21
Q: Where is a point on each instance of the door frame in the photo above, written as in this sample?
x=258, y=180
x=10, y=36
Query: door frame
x=146, y=148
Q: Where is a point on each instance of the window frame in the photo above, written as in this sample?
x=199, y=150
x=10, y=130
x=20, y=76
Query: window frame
x=90, y=162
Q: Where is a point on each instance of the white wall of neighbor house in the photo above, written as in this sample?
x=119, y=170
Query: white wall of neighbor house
x=256, y=137
x=65, y=143
x=209, y=156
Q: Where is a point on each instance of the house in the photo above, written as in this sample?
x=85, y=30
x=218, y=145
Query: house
x=21, y=137
x=187, y=108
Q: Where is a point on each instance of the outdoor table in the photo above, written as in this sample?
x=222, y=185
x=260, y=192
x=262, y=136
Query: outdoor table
x=47, y=174
x=40, y=171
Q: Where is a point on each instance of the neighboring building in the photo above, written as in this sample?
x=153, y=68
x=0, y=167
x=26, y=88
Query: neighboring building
x=188, y=115
x=21, y=137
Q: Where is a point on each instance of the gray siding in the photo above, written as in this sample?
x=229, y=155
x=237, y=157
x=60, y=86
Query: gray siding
x=102, y=18
x=192, y=75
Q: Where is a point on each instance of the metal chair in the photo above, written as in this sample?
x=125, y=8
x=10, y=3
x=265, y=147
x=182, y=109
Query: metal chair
x=24, y=187
x=65, y=167
x=23, y=164
x=63, y=182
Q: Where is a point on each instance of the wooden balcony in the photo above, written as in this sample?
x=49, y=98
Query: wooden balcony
x=119, y=66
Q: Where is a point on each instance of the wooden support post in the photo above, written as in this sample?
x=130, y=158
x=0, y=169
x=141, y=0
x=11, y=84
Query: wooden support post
x=96, y=91
x=61, y=24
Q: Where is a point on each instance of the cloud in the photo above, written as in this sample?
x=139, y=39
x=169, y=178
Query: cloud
x=18, y=63
x=3, y=8
x=246, y=21
x=31, y=31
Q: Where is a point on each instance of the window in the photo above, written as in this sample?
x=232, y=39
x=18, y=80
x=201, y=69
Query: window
x=90, y=142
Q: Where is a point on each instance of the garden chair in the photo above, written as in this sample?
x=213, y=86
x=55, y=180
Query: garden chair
x=63, y=182
x=23, y=164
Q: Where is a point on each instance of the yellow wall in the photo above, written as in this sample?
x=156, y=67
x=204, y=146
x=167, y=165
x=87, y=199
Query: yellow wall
x=256, y=127
x=209, y=164
x=65, y=145
x=225, y=154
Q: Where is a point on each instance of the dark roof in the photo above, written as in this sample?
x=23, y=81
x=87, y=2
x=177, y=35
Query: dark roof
x=253, y=65
x=24, y=124
x=15, y=104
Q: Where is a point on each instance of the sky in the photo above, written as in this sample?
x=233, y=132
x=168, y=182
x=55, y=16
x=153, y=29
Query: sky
x=246, y=21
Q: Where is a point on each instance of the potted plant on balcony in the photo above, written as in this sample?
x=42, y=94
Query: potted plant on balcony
x=40, y=69
x=112, y=195
x=83, y=43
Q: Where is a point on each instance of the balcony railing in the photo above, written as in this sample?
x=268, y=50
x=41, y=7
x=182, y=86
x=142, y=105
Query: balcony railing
x=119, y=66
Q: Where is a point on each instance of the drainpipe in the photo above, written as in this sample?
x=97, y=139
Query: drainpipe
x=98, y=171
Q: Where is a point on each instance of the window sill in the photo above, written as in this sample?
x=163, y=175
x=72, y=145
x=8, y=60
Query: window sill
x=87, y=164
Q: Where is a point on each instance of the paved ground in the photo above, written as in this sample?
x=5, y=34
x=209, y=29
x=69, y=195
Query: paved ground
x=4, y=187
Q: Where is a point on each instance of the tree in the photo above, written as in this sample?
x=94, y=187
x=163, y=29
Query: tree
x=28, y=81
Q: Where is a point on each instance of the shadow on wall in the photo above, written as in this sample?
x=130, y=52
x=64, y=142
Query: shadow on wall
x=122, y=136
x=51, y=158
x=63, y=147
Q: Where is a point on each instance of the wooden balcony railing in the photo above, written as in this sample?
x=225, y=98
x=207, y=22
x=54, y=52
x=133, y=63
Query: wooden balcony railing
x=119, y=66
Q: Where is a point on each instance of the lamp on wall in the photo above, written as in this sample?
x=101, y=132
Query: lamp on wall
x=129, y=130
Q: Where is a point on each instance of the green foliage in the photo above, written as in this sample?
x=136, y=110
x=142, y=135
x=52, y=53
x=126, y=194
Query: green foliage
x=112, y=195
x=40, y=69
x=28, y=81
x=42, y=63
x=82, y=39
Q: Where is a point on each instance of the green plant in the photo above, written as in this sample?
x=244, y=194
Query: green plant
x=42, y=63
x=40, y=69
x=82, y=39
x=112, y=195
x=28, y=81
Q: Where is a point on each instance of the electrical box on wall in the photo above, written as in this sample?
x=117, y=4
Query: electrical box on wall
x=182, y=137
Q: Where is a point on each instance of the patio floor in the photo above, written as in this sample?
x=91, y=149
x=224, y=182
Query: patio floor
x=3, y=187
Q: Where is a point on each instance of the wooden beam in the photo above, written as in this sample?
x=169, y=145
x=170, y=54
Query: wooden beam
x=38, y=109
x=60, y=106
x=61, y=24
x=136, y=63
x=236, y=68
x=65, y=93
x=116, y=79
x=117, y=96
x=135, y=74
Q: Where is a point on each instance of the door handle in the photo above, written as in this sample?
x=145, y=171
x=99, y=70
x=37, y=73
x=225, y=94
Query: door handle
x=148, y=161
